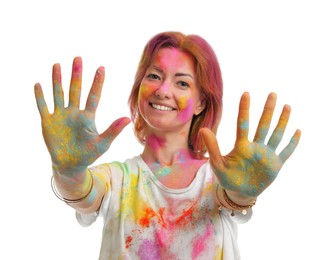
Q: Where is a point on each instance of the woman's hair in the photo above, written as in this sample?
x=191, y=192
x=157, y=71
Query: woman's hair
x=208, y=77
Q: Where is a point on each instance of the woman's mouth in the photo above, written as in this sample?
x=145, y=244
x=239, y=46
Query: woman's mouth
x=161, y=107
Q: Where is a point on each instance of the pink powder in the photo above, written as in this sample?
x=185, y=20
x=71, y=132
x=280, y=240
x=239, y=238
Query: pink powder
x=200, y=242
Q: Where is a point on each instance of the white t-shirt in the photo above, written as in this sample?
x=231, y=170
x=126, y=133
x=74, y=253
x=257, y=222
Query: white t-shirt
x=143, y=219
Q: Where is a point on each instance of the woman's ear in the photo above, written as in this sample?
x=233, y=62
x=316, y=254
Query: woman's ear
x=200, y=107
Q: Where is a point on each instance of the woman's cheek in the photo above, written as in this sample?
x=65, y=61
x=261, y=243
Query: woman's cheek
x=145, y=91
x=186, y=108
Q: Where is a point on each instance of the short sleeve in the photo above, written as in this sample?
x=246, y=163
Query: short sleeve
x=86, y=220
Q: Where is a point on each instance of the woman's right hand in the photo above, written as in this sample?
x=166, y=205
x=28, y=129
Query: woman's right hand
x=70, y=133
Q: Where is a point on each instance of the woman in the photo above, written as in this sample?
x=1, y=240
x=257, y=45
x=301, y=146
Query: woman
x=164, y=203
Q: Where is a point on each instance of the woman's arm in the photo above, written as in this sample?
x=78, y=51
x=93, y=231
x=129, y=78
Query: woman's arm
x=72, y=139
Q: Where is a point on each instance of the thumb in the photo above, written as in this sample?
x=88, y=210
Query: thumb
x=212, y=146
x=115, y=128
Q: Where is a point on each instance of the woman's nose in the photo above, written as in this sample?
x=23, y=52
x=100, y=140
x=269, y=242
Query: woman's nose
x=164, y=91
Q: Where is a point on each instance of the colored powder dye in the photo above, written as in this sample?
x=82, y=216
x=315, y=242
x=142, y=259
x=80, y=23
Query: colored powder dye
x=128, y=241
x=200, y=242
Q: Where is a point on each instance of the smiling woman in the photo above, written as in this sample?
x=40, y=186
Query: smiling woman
x=205, y=75
x=171, y=201
x=169, y=95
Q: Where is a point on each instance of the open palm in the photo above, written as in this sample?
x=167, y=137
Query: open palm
x=70, y=133
x=251, y=166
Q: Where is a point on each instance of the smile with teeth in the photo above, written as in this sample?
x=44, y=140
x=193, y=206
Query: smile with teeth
x=163, y=108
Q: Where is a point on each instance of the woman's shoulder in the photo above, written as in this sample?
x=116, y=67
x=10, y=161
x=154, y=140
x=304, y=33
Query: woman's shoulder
x=128, y=166
x=117, y=166
x=130, y=162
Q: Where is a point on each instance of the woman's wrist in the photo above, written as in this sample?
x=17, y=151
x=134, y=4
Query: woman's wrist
x=233, y=201
x=72, y=183
x=85, y=197
x=239, y=199
x=79, y=195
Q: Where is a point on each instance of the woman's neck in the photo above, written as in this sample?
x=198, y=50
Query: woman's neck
x=166, y=150
x=171, y=160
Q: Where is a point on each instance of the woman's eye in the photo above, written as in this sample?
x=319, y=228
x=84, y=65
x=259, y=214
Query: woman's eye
x=153, y=76
x=183, y=84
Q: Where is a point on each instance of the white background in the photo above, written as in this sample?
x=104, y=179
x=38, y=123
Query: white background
x=262, y=46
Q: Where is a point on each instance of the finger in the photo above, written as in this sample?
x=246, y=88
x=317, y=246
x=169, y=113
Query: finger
x=114, y=129
x=212, y=146
x=41, y=103
x=277, y=134
x=266, y=118
x=243, y=118
x=57, y=88
x=75, y=84
x=289, y=149
x=95, y=92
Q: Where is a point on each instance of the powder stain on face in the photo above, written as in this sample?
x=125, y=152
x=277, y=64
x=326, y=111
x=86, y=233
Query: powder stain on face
x=185, y=108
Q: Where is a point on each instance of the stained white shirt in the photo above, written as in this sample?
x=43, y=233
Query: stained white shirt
x=143, y=219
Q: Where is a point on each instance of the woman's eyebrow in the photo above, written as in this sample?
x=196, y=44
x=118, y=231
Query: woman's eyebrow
x=184, y=74
x=179, y=74
x=157, y=68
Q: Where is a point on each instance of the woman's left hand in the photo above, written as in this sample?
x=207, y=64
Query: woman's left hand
x=251, y=166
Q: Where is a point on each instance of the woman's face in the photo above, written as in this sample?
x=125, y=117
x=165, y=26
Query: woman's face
x=169, y=96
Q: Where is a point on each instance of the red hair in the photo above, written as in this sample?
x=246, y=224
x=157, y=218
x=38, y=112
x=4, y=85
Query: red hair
x=208, y=76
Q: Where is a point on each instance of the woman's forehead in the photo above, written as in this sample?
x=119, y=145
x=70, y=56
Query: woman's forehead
x=173, y=58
